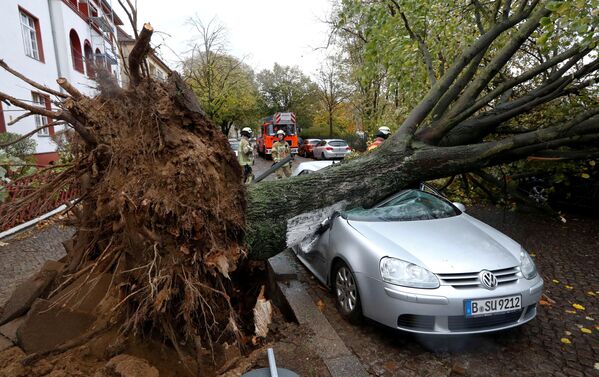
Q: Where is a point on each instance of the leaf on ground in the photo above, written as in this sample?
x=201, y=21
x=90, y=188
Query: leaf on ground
x=589, y=318
x=571, y=311
x=568, y=333
x=565, y=341
x=544, y=302
x=548, y=299
x=555, y=281
x=569, y=287
x=591, y=293
x=596, y=366
x=320, y=304
x=532, y=254
x=3, y=243
x=578, y=307
x=585, y=330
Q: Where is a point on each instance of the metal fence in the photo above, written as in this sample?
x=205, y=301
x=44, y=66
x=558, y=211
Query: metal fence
x=13, y=214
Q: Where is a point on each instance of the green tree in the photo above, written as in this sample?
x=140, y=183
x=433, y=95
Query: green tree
x=224, y=85
x=287, y=88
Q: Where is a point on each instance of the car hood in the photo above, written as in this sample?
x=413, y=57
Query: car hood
x=457, y=244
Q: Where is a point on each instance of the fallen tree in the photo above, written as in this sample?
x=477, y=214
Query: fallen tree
x=163, y=210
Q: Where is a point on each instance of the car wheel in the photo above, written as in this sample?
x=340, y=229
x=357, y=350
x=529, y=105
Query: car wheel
x=346, y=292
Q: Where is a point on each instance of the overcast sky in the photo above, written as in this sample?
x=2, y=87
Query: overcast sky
x=262, y=32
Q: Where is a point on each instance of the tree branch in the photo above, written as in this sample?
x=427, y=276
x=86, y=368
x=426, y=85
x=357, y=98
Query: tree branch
x=20, y=117
x=31, y=82
x=25, y=136
x=138, y=53
x=428, y=61
x=406, y=131
x=33, y=109
x=66, y=85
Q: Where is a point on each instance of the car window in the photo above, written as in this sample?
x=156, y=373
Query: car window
x=409, y=205
x=314, y=142
x=322, y=143
x=304, y=172
x=338, y=143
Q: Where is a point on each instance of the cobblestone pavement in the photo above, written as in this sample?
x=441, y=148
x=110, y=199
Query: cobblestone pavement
x=24, y=253
x=566, y=255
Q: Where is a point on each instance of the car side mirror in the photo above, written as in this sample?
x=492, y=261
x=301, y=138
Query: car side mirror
x=460, y=206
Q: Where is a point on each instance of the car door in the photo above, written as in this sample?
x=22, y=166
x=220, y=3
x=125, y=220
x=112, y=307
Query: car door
x=319, y=149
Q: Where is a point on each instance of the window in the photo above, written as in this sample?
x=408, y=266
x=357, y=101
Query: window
x=42, y=101
x=99, y=58
x=32, y=37
x=93, y=11
x=89, y=59
x=76, y=51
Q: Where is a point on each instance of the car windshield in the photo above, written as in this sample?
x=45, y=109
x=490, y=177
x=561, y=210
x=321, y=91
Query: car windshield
x=337, y=143
x=288, y=128
x=409, y=205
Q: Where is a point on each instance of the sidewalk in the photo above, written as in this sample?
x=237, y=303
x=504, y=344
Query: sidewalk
x=24, y=253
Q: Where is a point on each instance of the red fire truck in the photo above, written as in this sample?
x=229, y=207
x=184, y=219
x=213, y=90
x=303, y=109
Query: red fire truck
x=268, y=132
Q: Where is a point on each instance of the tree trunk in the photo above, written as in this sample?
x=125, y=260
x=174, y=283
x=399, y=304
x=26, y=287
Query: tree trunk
x=358, y=183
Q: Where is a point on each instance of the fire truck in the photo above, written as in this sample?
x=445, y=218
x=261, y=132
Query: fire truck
x=268, y=132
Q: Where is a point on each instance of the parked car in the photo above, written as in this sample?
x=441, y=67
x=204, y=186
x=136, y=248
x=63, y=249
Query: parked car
x=306, y=146
x=310, y=167
x=234, y=146
x=331, y=148
x=419, y=263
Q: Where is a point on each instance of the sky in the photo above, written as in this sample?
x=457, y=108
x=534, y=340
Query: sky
x=262, y=32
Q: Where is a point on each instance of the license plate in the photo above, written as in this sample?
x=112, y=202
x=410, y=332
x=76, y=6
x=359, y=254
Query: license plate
x=489, y=306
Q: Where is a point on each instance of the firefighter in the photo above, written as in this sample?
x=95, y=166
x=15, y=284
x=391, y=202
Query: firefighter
x=381, y=135
x=245, y=155
x=280, y=150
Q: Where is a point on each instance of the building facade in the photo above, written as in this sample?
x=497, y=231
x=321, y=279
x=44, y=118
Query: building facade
x=48, y=39
x=157, y=68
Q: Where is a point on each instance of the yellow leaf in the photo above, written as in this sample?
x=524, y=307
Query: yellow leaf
x=591, y=293
x=597, y=327
x=532, y=254
x=565, y=341
x=571, y=311
x=578, y=306
x=585, y=330
x=555, y=281
x=592, y=163
x=569, y=287
x=585, y=176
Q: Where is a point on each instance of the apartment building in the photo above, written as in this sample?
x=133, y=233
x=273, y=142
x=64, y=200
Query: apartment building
x=47, y=39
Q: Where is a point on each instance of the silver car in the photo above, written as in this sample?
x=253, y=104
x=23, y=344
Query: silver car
x=419, y=263
x=331, y=148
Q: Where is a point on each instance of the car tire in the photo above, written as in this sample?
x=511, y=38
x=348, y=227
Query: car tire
x=347, y=296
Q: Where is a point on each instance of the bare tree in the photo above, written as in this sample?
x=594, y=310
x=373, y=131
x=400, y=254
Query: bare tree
x=331, y=88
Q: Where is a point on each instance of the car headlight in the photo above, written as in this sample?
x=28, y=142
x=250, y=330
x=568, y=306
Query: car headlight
x=527, y=266
x=399, y=272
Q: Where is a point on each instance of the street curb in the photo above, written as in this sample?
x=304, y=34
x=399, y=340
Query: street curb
x=291, y=296
x=31, y=223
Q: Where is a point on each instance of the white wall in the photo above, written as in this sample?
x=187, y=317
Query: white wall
x=57, y=57
x=12, y=51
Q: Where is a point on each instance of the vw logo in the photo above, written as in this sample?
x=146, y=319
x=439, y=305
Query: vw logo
x=487, y=279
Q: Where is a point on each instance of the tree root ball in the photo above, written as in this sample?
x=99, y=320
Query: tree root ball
x=162, y=209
